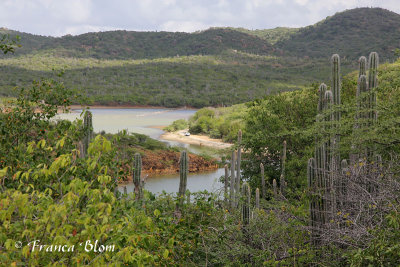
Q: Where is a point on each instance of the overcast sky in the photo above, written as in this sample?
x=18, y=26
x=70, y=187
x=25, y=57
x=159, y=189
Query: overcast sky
x=61, y=17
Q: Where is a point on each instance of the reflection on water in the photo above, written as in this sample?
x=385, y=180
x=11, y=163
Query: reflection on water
x=143, y=121
x=170, y=183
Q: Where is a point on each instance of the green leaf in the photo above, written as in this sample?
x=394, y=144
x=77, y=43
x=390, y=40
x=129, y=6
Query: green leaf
x=165, y=254
x=157, y=213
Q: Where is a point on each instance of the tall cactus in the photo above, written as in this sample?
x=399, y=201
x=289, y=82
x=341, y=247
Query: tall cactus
x=362, y=70
x=257, y=198
x=137, y=172
x=233, y=181
x=88, y=132
x=342, y=190
x=282, y=181
x=246, y=204
x=373, y=63
x=331, y=159
x=263, y=192
x=239, y=158
x=336, y=82
x=183, y=173
x=226, y=183
x=315, y=211
x=335, y=139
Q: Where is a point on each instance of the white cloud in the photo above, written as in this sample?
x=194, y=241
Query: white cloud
x=184, y=26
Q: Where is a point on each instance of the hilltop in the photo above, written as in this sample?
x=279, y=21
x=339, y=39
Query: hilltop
x=351, y=33
x=142, y=45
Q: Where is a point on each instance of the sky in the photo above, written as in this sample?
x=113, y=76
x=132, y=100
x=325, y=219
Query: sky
x=61, y=17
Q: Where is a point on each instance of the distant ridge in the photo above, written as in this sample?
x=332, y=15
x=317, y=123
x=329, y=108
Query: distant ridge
x=141, y=45
x=351, y=33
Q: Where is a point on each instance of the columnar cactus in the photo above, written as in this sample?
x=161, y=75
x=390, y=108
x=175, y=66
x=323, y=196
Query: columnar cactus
x=331, y=157
x=274, y=188
x=373, y=63
x=183, y=173
x=257, y=198
x=342, y=190
x=246, y=204
x=362, y=66
x=137, y=172
x=233, y=181
x=88, y=131
x=334, y=153
x=226, y=182
x=239, y=158
x=336, y=82
x=282, y=178
x=315, y=211
x=262, y=181
x=362, y=102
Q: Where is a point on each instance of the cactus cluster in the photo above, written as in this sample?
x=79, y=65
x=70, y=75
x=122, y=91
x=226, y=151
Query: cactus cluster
x=326, y=171
x=322, y=169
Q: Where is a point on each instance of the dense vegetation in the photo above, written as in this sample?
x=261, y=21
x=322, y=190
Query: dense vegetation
x=216, y=67
x=197, y=81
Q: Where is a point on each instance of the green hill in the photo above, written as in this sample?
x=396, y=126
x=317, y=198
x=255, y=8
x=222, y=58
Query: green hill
x=140, y=45
x=351, y=33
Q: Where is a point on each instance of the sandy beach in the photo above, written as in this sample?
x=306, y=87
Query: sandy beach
x=199, y=140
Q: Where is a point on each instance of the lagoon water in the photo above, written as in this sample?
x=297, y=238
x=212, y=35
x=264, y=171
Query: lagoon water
x=144, y=121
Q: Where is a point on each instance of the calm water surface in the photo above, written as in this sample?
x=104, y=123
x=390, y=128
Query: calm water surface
x=143, y=121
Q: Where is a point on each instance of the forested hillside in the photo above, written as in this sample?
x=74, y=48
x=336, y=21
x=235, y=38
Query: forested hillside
x=142, y=45
x=219, y=66
x=197, y=81
x=351, y=33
